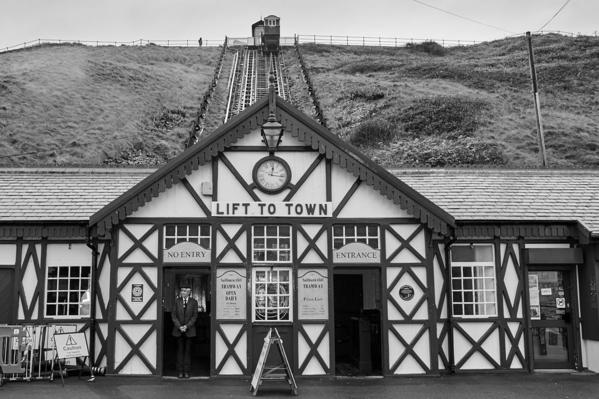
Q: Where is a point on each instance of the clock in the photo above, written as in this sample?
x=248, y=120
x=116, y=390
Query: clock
x=271, y=174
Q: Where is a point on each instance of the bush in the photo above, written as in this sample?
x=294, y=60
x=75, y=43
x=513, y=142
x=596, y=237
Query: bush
x=366, y=67
x=433, y=152
x=366, y=94
x=372, y=132
x=442, y=116
x=429, y=47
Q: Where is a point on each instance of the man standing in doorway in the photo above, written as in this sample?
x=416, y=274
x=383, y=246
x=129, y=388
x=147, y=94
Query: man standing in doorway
x=184, y=317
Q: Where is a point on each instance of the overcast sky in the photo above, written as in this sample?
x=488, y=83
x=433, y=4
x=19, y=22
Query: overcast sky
x=126, y=20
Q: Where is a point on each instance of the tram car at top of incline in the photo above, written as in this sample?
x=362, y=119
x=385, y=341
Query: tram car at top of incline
x=267, y=33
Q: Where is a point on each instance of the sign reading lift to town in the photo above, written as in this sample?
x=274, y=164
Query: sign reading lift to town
x=277, y=209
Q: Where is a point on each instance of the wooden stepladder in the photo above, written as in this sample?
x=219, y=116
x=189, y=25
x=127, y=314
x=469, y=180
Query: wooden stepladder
x=280, y=372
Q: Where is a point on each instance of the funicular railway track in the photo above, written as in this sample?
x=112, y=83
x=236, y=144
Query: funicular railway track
x=249, y=77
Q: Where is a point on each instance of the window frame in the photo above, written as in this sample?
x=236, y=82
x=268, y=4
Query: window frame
x=266, y=249
x=176, y=236
x=356, y=237
x=68, y=291
x=473, y=265
x=289, y=294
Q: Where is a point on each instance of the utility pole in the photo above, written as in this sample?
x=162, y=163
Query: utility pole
x=535, y=93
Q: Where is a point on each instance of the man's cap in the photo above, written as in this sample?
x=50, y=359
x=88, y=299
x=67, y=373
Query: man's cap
x=185, y=284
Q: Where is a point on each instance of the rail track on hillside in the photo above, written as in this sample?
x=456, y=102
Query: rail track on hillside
x=249, y=79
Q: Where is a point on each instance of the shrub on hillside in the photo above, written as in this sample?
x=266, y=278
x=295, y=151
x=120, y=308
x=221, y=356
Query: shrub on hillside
x=446, y=116
x=432, y=152
x=368, y=66
x=368, y=94
x=372, y=132
x=428, y=47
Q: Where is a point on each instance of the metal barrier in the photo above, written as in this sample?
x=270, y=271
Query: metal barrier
x=27, y=352
x=12, y=349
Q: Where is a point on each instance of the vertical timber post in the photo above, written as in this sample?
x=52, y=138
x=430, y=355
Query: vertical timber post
x=535, y=93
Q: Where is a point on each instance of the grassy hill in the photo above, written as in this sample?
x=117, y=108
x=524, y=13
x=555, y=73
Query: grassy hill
x=74, y=105
x=420, y=105
x=424, y=105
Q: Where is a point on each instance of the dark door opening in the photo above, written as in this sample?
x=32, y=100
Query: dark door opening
x=552, y=311
x=7, y=292
x=357, y=324
x=200, y=349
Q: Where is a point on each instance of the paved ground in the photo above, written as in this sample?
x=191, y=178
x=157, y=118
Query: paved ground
x=491, y=386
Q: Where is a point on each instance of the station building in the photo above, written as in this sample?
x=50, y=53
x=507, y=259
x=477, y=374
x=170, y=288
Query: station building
x=362, y=270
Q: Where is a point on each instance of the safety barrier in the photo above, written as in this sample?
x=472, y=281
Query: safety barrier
x=311, y=90
x=339, y=40
x=27, y=352
x=198, y=124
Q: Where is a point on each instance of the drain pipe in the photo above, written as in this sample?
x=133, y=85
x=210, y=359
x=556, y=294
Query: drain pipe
x=450, y=355
x=92, y=243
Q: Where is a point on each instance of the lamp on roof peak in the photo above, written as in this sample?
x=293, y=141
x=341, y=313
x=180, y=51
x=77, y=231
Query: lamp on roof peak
x=272, y=130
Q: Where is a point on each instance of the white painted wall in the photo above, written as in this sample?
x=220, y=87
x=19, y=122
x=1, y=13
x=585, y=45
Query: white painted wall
x=68, y=255
x=8, y=254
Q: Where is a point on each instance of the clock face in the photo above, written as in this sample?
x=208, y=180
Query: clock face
x=272, y=174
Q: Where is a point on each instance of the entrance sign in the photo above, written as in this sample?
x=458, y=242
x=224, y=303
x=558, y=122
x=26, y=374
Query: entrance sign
x=280, y=372
x=231, y=290
x=186, y=252
x=312, y=294
x=357, y=252
x=280, y=209
x=71, y=345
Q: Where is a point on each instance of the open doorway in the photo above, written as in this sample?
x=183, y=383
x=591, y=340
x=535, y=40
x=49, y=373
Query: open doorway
x=199, y=280
x=357, y=323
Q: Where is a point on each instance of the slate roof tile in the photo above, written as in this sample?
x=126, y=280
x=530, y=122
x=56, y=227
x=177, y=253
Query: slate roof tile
x=74, y=194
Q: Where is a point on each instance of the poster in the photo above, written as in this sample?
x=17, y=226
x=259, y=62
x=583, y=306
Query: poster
x=231, y=294
x=533, y=293
x=312, y=294
x=137, y=292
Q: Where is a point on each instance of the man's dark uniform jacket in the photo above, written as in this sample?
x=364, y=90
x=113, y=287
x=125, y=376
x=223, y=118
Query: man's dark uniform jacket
x=185, y=316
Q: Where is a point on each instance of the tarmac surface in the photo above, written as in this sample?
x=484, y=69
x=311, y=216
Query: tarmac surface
x=487, y=386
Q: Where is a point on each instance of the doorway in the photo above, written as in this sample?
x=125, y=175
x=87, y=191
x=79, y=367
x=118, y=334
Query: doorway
x=7, y=308
x=552, y=310
x=357, y=312
x=199, y=280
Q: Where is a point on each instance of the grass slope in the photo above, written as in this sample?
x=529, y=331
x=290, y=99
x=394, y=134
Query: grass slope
x=419, y=105
x=424, y=105
x=75, y=105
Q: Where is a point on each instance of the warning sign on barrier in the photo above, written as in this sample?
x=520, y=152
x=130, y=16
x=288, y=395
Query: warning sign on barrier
x=71, y=345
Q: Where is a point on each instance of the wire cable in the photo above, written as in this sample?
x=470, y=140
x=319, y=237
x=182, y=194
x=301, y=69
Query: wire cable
x=554, y=15
x=462, y=17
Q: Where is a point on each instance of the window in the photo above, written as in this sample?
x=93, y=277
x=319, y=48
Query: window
x=271, y=243
x=67, y=291
x=347, y=233
x=176, y=233
x=272, y=294
x=473, y=280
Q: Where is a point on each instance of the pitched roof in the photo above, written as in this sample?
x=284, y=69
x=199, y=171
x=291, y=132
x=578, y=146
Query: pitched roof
x=61, y=194
x=467, y=194
x=300, y=126
x=511, y=195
